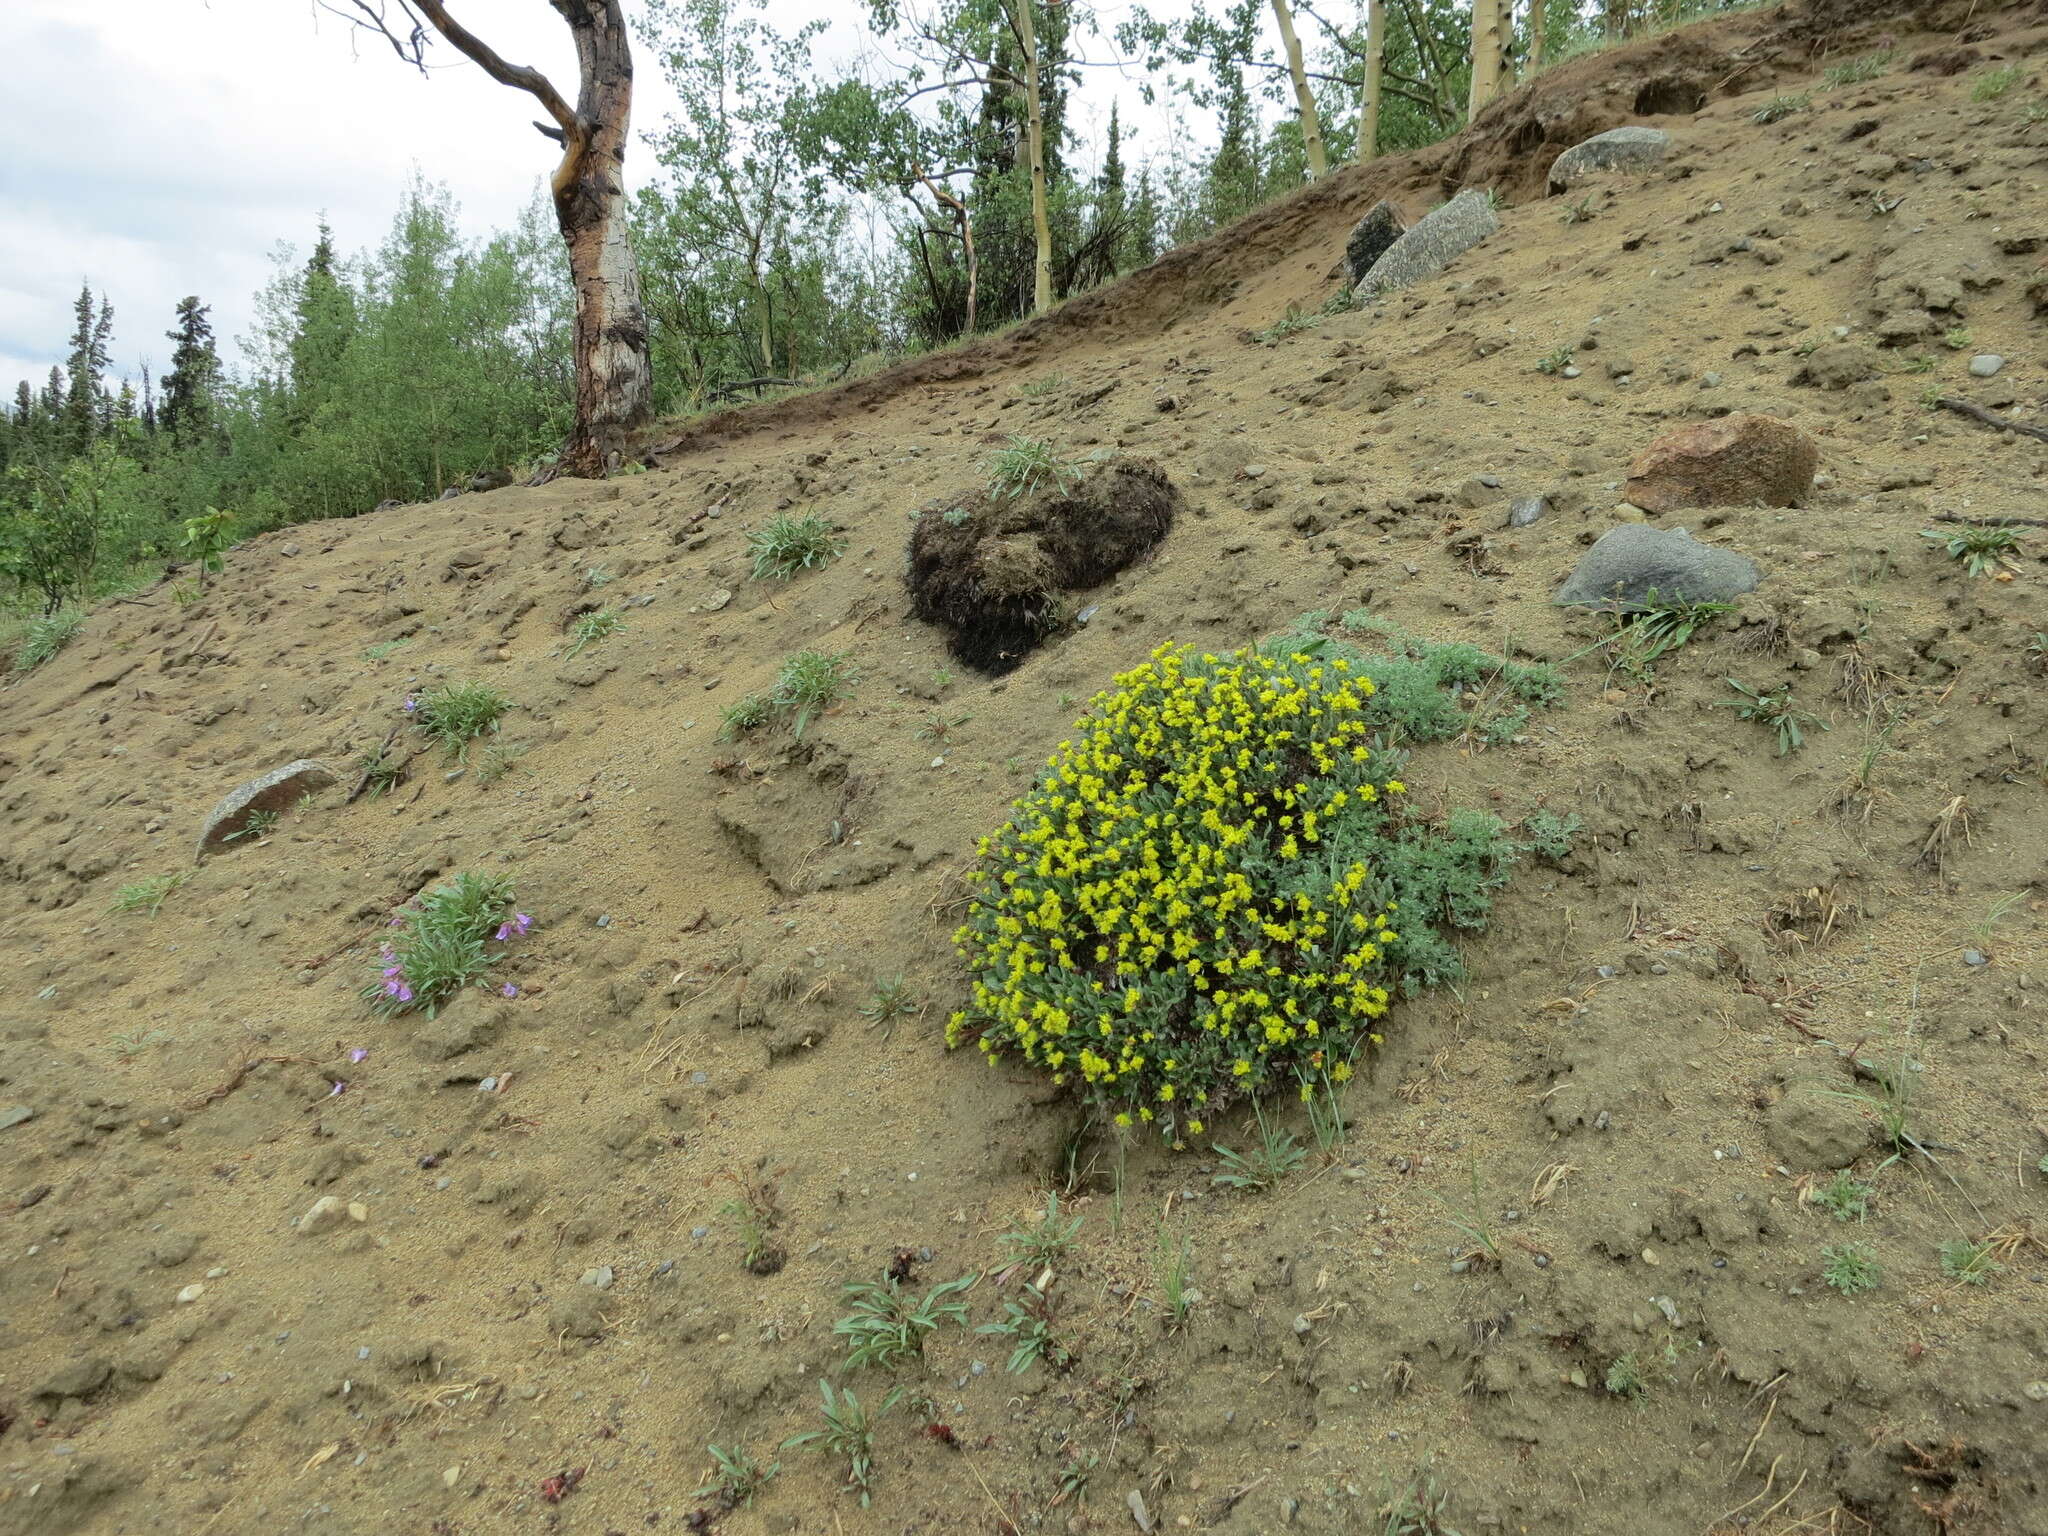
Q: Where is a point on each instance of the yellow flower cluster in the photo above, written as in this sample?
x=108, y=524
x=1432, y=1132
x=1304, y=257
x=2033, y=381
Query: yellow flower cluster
x=1172, y=918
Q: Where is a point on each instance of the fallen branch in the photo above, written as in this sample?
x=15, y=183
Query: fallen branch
x=1990, y=418
x=1992, y=522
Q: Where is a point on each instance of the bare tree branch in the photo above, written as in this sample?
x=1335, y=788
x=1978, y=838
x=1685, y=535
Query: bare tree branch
x=372, y=16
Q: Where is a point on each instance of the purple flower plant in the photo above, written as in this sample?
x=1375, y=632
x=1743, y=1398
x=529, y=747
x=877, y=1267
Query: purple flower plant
x=516, y=928
x=357, y=1054
x=412, y=702
x=509, y=990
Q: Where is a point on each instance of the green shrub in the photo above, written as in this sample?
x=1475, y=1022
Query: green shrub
x=1217, y=888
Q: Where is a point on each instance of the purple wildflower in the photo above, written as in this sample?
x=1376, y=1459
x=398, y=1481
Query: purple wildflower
x=337, y=1088
x=516, y=928
x=509, y=990
x=411, y=703
x=357, y=1054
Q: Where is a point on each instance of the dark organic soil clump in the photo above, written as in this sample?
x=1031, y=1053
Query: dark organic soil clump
x=995, y=570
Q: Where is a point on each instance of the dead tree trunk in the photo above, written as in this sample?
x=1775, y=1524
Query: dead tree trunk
x=614, y=379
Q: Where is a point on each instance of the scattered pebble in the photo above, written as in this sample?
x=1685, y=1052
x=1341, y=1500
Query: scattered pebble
x=191, y=1293
x=1974, y=957
x=1985, y=364
x=600, y=1276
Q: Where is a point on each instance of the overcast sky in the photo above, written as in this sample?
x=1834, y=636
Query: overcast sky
x=159, y=148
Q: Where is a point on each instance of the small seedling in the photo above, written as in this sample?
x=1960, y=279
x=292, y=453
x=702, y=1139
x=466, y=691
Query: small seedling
x=1774, y=711
x=593, y=627
x=1969, y=1263
x=1028, y=465
x=753, y=711
x=849, y=1433
x=601, y=576
x=1294, y=320
x=1666, y=624
x=1994, y=83
x=1038, y=389
x=1580, y=212
x=1998, y=911
x=2037, y=651
x=1275, y=1155
x=1549, y=834
x=1980, y=551
x=1174, y=1258
x=1919, y=362
x=1323, y=1099
x=1421, y=1506
x=1625, y=1377
x=1892, y=1104
x=888, y=1326
x=499, y=760
x=455, y=714
x=1778, y=108
x=1028, y=1319
x=1470, y=1219
x=1844, y=1197
x=791, y=543
x=1859, y=70
x=380, y=770
x=1957, y=338
x=1043, y=1242
x=1555, y=361
x=736, y=1477
x=148, y=896
x=383, y=648
x=1850, y=1269
x=43, y=638
x=127, y=1046
x=754, y=1212
x=955, y=517
x=259, y=826
x=206, y=536
x=810, y=683
x=891, y=1000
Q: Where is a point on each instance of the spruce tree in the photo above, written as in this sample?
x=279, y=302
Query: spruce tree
x=91, y=338
x=323, y=322
x=187, y=413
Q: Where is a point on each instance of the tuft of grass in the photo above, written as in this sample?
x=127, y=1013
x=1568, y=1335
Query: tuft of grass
x=1416, y=1506
x=849, y=1434
x=456, y=714
x=441, y=945
x=888, y=1326
x=1778, y=108
x=1294, y=320
x=1027, y=465
x=129, y=1044
x=755, y=1213
x=500, y=759
x=1892, y=1104
x=1851, y=1269
x=1994, y=83
x=381, y=770
x=736, y=1478
x=593, y=578
x=1555, y=361
x=1969, y=1263
x=1174, y=1258
x=1045, y=1240
x=148, y=896
x=259, y=825
x=1038, y=389
x=44, y=637
x=890, y=1000
x=810, y=683
x=1272, y=1157
x=593, y=627
x=1957, y=338
x=1470, y=1219
x=749, y=714
x=1857, y=71
x=791, y=543
x=1580, y=212
x=1980, y=551
x=1774, y=711
x=383, y=648
x=1844, y=1197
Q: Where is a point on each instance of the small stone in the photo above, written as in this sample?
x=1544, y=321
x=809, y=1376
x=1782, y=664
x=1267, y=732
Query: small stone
x=452, y=1475
x=1524, y=510
x=191, y=1293
x=1650, y=1258
x=15, y=1114
x=276, y=790
x=2037, y=1391
x=717, y=600
x=357, y=1211
x=1570, y=371
x=1301, y=1323
x=1254, y=471
x=487, y=1085
x=1974, y=957
x=1985, y=364
x=323, y=1215
x=1630, y=562
x=601, y=1277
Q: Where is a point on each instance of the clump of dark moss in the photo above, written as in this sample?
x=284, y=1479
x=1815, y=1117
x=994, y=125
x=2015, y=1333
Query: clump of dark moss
x=996, y=570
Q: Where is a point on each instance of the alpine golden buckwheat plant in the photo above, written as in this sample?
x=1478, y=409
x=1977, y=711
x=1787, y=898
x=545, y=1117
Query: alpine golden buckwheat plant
x=1197, y=902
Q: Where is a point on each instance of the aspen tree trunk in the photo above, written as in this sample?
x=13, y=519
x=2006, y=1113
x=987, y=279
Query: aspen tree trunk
x=1536, y=19
x=1034, y=133
x=1375, y=63
x=1304, y=98
x=1486, y=49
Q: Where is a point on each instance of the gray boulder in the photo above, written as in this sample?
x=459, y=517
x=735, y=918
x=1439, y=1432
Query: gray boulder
x=1438, y=238
x=1370, y=238
x=1618, y=149
x=1630, y=564
x=276, y=790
